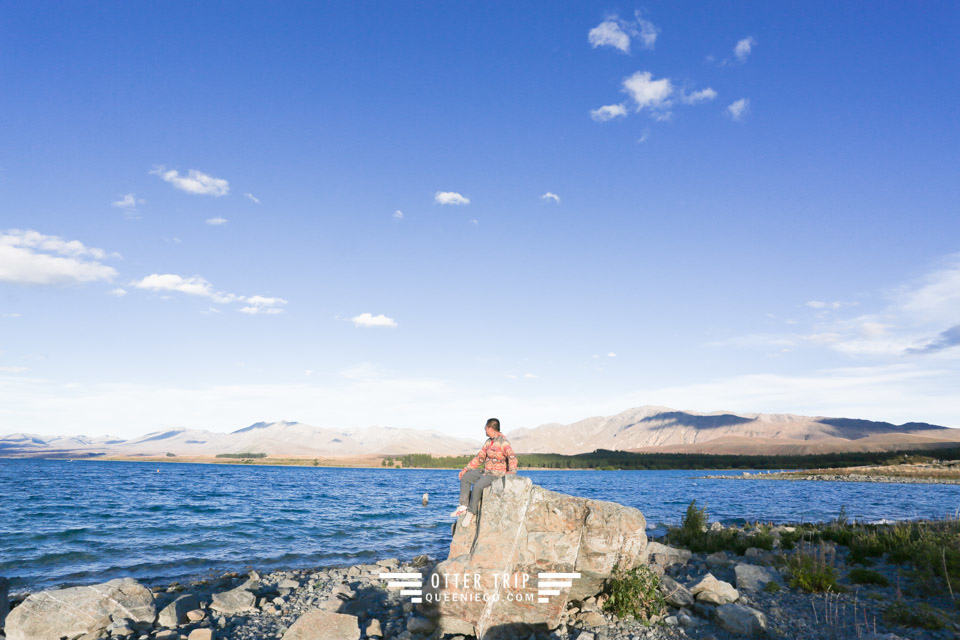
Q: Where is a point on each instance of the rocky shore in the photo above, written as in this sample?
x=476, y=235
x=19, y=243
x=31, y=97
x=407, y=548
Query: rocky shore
x=846, y=476
x=720, y=596
x=793, y=582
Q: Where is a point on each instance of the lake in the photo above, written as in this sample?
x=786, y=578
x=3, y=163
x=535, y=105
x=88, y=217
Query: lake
x=65, y=523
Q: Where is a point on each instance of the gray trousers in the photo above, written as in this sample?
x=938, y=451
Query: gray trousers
x=480, y=481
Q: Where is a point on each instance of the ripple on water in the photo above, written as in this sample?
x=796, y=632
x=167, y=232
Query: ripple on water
x=88, y=522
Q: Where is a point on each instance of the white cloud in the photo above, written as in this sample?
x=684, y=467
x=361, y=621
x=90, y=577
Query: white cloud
x=252, y=311
x=197, y=286
x=398, y=215
x=370, y=320
x=820, y=304
x=743, y=48
x=118, y=292
x=739, y=109
x=195, y=182
x=698, y=96
x=475, y=222
x=650, y=94
x=13, y=369
x=608, y=33
x=644, y=136
x=216, y=222
x=608, y=112
x=30, y=257
x=617, y=33
x=252, y=198
x=530, y=376
x=611, y=355
x=128, y=202
x=550, y=196
x=450, y=197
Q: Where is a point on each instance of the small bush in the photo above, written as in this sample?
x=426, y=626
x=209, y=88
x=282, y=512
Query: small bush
x=813, y=571
x=635, y=592
x=868, y=576
x=772, y=587
x=923, y=616
x=695, y=521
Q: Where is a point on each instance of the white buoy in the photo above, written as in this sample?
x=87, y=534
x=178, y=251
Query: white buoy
x=426, y=499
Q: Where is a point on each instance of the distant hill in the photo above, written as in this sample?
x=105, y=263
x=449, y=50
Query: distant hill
x=660, y=429
x=276, y=438
x=642, y=429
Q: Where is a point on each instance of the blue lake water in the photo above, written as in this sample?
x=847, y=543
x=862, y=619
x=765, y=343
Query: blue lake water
x=83, y=522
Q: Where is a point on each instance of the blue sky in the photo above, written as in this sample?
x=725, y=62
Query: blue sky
x=751, y=208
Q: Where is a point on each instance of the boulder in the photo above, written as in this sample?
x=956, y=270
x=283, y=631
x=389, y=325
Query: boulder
x=324, y=625
x=78, y=611
x=489, y=580
x=201, y=634
x=664, y=556
x=719, y=559
x=741, y=620
x=713, y=591
x=374, y=630
x=175, y=613
x=675, y=593
x=234, y=601
x=751, y=576
x=419, y=624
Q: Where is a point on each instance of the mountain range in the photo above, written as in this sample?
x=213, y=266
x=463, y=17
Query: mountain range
x=642, y=429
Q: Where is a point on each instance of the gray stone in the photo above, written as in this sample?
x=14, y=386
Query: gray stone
x=324, y=625
x=419, y=624
x=288, y=584
x=201, y=634
x=751, y=576
x=719, y=559
x=196, y=615
x=741, y=620
x=176, y=612
x=523, y=530
x=713, y=591
x=167, y=634
x=78, y=611
x=234, y=601
x=664, y=556
x=675, y=593
x=586, y=635
x=686, y=621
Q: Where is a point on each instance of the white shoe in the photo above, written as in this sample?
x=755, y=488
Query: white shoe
x=468, y=520
x=462, y=509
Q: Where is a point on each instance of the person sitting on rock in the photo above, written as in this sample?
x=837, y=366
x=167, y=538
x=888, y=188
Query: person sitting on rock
x=498, y=460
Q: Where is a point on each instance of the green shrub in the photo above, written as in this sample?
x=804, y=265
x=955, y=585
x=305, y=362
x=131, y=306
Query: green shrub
x=635, y=592
x=695, y=521
x=922, y=616
x=868, y=576
x=772, y=587
x=813, y=571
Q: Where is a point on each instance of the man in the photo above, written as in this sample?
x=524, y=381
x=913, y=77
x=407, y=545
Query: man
x=498, y=460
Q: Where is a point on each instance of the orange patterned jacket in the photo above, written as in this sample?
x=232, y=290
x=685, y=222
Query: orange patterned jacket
x=497, y=457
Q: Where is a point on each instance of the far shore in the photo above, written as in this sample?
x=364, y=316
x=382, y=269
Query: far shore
x=936, y=473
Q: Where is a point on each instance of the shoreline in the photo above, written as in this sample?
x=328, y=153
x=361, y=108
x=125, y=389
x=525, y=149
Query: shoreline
x=893, y=474
x=265, y=604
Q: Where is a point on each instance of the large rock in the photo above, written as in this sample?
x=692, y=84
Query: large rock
x=750, y=576
x=713, y=591
x=675, y=593
x=741, y=620
x=488, y=584
x=175, y=613
x=324, y=625
x=664, y=556
x=233, y=601
x=71, y=613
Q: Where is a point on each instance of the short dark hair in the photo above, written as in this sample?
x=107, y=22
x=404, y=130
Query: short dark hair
x=493, y=422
